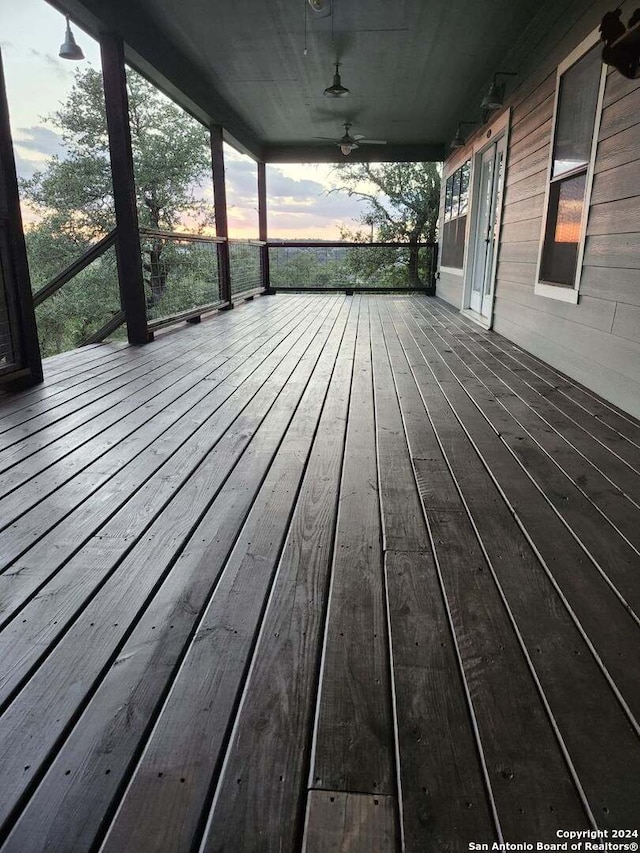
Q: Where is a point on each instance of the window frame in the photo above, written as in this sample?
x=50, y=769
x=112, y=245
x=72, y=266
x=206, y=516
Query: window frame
x=450, y=170
x=553, y=290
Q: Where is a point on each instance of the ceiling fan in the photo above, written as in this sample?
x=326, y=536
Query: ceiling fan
x=348, y=143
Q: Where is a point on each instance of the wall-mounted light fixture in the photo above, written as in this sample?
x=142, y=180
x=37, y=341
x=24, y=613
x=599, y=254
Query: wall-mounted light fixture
x=336, y=89
x=494, y=98
x=69, y=49
x=622, y=44
x=458, y=140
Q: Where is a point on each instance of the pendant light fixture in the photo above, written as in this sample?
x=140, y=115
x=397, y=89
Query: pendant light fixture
x=69, y=49
x=336, y=89
x=494, y=98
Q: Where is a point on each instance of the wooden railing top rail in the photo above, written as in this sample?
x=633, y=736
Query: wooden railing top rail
x=239, y=240
x=338, y=244
x=180, y=235
x=86, y=258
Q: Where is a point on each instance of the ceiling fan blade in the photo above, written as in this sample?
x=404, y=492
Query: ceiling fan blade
x=326, y=138
x=373, y=142
x=358, y=136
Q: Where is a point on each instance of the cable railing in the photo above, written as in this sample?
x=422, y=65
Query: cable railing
x=181, y=274
x=308, y=265
x=245, y=266
x=81, y=304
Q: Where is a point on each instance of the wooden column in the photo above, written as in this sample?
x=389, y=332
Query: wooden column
x=262, y=226
x=14, y=267
x=220, y=204
x=128, y=252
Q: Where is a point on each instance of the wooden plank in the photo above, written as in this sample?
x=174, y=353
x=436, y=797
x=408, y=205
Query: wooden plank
x=619, y=420
x=529, y=208
x=526, y=187
x=604, y=479
x=533, y=99
x=43, y=711
x=627, y=323
x=623, y=113
x=587, y=410
x=538, y=113
x=615, y=284
x=569, y=677
x=537, y=139
x=516, y=232
x=617, y=183
x=104, y=456
x=159, y=810
x=592, y=312
x=353, y=738
x=339, y=822
x=519, y=273
x=441, y=777
x=614, y=217
x=521, y=776
x=613, y=250
x=525, y=252
x=271, y=741
x=231, y=420
x=69, y=400
x=618, y=150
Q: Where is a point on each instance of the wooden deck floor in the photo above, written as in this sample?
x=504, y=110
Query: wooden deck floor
x=324, y=573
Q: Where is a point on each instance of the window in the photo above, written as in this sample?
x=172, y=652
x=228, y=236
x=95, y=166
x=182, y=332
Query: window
x=456, y=196
x=577, y=116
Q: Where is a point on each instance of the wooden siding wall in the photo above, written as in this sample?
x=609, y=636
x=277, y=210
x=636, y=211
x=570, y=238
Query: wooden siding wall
x=596, y=342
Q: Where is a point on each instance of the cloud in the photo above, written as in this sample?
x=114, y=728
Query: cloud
x=54, y=64
x=40, y=139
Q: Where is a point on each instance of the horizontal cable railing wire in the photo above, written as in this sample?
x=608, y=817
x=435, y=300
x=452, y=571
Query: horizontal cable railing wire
x=245, y=266
x=181, y=274
x=81, y=304
x=307, y=265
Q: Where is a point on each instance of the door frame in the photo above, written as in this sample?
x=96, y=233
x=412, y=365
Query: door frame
x=498, y=128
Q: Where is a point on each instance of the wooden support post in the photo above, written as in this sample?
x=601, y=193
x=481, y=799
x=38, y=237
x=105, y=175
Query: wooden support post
x=128, y=245
x=220, y=204
x=262, y=227
x=14, y=269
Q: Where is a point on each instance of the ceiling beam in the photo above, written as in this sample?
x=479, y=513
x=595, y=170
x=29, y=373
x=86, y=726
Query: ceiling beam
x=154, y=55
x=430, y=153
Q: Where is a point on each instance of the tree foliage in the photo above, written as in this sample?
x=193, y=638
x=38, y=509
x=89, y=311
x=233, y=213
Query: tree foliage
x=73, y=197
x=402, y=206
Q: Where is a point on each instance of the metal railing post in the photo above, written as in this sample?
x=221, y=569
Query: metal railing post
x=220, y=204
x=262, y=227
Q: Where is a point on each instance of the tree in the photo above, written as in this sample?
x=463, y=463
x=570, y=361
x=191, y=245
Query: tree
x=404, y=208
x=73, y=195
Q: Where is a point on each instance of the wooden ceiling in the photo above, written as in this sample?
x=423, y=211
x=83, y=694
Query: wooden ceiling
x=414, y=68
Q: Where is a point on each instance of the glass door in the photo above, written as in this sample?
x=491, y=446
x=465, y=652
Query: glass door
x=486, y=226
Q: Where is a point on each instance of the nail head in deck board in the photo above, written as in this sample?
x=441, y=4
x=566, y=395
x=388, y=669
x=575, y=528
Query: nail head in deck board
x=188, y=740
x=270, y=746
x=353, y=741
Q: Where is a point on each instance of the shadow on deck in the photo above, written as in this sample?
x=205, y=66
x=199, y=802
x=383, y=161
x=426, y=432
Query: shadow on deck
x=321, y=571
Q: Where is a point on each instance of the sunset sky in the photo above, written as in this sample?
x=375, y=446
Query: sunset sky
x=37, y=80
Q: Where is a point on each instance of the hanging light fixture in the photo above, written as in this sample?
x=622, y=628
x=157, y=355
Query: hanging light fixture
x=69, y=49
x=458, y=140
x=336, y=89
x=494, y=98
